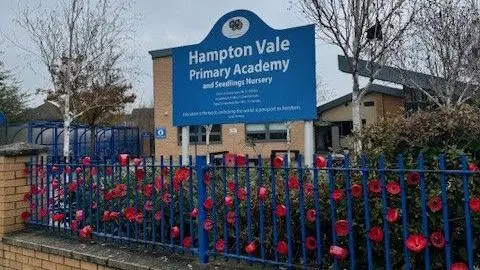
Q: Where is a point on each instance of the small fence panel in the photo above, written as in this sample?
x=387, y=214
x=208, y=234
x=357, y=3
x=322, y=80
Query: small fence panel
x=398, y=215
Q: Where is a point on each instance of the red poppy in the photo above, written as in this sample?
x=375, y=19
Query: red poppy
x=231, y=186
x=229, y=160
x=375, y=186
x=320, y=162
x=281, y=210
x=341, y=227
x=251, y=248
x=130, y=213
x=158, y=215
x=174, y=232
x=376, y=234
x=157, y=183
x=435, y=204
x=208, y=203
x=108, y=171
x=231, y=217
x=241, y=160
x=55, y=184
x=228, y=201
x=310, y=243
x=148, y=206
x=282, y=248
x=473, y=167
x=413, y=178
x=27, y=196
x=416, y=243
x=242, y=194
x=79, y=215
x=277, y=162
x=337, y=195
x=137, y=162
x=106, y=216
x=182, y=174
x=311, y=214
x=208, y=225
x=167, y=198
x=437, y=240
x=139, y=217
x=93, y=171
x=123, y=159
x=293, y=182
x=187, y=242
x=43, y=213
x=459, y=266
x=86, y=161
x=475, y=205
x=393, y=188
x=139, y=174
x=194, y=213
x=26, y=171
x=262, y=193
x=356, y=190
x=392, y=215
x=74, y=226
x=338, y=252
x=220, y=245
x=25, y=216
x=86, y=232
x=58, y=217
x=207, y=178
x=308, y=189
x=147, y=190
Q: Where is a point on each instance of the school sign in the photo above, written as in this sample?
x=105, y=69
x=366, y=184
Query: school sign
x=245, y=72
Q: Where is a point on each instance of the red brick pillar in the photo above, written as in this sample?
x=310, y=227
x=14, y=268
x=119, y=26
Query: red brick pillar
x=14, y=183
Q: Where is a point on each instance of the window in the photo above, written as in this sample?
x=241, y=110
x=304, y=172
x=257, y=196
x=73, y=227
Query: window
x=344, y=127
x=266, y=132
x=198, y=134
x=369, y=103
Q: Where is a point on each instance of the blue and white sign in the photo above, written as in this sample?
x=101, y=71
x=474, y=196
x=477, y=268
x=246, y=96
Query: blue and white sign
x=245, y=72
x=161, y=133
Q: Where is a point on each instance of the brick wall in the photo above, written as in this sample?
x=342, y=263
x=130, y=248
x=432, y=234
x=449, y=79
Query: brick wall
x=13, y=185
x=232, y=142
x=13, y=257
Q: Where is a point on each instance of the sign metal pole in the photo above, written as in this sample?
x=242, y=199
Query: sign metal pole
x=309, y=143
x=185, y=142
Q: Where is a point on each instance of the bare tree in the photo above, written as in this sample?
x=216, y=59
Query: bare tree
x=445, y=44
x=363, y=29
x=80, y=42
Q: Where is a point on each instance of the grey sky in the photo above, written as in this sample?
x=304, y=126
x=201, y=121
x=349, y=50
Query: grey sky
x=165, y=24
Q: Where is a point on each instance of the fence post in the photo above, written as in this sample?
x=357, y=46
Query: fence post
x=200, y=166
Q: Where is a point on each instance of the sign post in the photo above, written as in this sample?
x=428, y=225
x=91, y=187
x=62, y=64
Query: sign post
x=246, y=72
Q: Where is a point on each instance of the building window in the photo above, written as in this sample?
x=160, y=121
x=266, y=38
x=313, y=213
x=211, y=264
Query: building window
x=344, y=128
x=369, y=103
x=198, y=134
x=266, y=132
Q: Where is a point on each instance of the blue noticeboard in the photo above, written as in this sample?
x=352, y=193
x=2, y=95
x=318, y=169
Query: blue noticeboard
x=160, y=133
x=245, y=72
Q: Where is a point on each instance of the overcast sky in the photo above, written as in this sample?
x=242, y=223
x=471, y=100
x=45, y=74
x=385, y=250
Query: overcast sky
x=165, y=24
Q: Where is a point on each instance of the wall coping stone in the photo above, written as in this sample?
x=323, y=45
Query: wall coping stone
x=22, y=149
x=114, y=255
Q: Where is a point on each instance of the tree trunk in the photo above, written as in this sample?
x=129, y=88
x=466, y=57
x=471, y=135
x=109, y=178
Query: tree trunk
x=66, y=134
x=356, y=115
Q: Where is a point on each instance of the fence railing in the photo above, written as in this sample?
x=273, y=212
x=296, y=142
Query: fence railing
x=396, y=215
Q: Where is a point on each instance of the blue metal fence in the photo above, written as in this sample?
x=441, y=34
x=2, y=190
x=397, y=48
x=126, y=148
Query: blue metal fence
x=109, y=141
x=377, y=214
